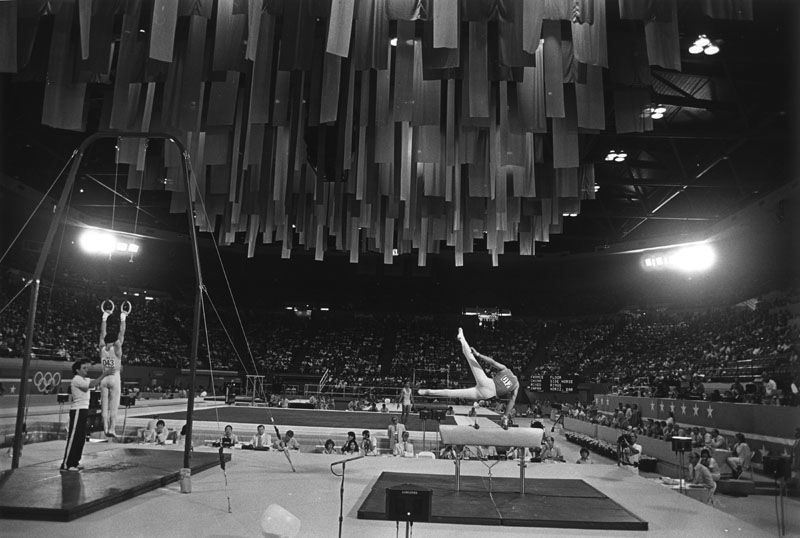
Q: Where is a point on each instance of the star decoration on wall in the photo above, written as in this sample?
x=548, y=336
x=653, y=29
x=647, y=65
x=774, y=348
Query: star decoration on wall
x=710, y=411
x=13, y=389
x=661, y=406
x=764, y=451
x=683, y=408
x=672, y=408
x=696, y=409
x=652, y=406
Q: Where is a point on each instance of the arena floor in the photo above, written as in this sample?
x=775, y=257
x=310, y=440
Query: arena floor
x=258, y=479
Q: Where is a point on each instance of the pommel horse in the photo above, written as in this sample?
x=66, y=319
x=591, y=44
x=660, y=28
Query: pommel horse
x=512, y=438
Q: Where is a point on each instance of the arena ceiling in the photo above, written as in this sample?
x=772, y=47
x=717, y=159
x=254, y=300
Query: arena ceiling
x=431, y=147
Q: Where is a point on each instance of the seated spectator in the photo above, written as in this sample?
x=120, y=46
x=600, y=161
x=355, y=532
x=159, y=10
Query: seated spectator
x=550, y=451
x=288, y=442
x=149, y=432
x=228, y=438
x=404, y=449
x=384, y=409
x=626, y=448
x=261, y=439
x=770, y=388
x=584, y=456
x=450, y=452
x=350, y=446
x=741, y=460
x=701, y=476
x=697, y=438
x=161, y=433
x=710, y=463
x=737, y=390
x=367, y=444
x=330, y=447
x=717, y=441
x=485, y=452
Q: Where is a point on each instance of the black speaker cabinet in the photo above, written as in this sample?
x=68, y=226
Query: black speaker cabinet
x=681, y=444
x=407, y=502
x=424, y=414
x=778, y=467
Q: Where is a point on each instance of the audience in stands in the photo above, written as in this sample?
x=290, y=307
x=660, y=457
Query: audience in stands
x=350, y=446
x=368, y=444
x=686, y=354
x=330, y=447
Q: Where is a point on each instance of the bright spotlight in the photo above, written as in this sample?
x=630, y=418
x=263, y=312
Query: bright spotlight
x=393, y=42
x=102, y=242
x=96, y=242
x=711, y=50
x=702, y=40
x=695, y=49
x=694, y=258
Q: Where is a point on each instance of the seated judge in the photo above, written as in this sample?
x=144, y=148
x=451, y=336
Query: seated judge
x=261, y=439
x=404, y=449
x=228, y=438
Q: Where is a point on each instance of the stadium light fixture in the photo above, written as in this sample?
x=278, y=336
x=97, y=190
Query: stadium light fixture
x=693, y=258
x=705, y=45
x=97, y=241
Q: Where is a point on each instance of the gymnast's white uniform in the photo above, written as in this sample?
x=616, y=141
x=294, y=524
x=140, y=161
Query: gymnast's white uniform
x=111, y=385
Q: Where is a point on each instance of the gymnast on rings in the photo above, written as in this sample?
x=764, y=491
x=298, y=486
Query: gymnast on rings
x=111, y=360
x=502, y=384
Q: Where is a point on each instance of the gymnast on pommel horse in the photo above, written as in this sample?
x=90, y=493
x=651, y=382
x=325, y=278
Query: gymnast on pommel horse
x=502, y=383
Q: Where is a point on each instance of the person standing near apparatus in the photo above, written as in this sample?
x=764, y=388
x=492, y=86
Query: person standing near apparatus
x=406, y=400
x=78, y=413
x=111, y=360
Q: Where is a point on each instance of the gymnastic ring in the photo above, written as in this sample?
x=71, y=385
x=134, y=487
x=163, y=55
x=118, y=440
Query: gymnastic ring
x=122, y=307
x=103, y=306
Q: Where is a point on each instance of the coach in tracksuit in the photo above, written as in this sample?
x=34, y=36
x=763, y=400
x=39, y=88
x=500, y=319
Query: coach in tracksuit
x=78, y=413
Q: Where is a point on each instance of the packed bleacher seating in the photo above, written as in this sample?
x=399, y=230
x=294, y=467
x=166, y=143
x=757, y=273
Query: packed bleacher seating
x=663, y=353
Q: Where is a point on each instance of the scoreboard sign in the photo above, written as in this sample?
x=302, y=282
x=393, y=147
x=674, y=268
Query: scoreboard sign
x=551, y=383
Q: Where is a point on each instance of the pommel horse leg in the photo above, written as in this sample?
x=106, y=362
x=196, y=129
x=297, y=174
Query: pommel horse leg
x=457, y=462
x=522, y=466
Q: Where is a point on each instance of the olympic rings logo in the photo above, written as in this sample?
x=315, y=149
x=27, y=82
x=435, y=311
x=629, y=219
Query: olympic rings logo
x=46, y=381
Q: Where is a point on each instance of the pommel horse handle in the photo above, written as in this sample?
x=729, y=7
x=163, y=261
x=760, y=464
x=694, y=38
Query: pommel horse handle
x=512, y=438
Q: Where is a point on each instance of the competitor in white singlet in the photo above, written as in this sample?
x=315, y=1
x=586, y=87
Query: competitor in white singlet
x=502, y=384
x=111, y=360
